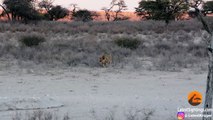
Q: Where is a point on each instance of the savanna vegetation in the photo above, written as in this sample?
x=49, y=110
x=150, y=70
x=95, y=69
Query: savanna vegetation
x=59, y=44
x=155, y=42
x=32, y=36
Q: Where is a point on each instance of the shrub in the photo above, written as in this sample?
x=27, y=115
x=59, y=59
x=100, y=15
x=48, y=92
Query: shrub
x=127, y=42
x=208, y=7
x=57, y=12
x=32, y=40
x=83, y=15
x=40, y=115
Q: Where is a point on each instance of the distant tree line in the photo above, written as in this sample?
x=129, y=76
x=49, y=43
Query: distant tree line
x=30, y=10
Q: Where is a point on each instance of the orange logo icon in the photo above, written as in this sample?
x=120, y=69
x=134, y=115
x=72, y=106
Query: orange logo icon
x=195, y=98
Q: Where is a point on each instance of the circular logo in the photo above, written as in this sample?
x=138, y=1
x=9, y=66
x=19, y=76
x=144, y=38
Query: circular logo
x=195, y=98
x=180, y=115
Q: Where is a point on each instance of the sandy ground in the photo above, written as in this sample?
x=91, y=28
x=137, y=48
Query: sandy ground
x=94, y=93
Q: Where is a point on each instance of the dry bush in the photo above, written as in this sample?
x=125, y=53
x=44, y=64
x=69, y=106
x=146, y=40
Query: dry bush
x=31, y=40
x=39, y=115
x=130, y=114
x=139, y=114
x=128, y=42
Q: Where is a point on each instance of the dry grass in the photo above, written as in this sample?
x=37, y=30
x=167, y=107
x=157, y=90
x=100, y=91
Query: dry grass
x=45, y=115
x=118, y=27
x=39, y=115
x=131, y=114
x=178, y=45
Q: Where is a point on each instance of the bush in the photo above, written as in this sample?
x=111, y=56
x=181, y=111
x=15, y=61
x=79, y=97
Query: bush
x=40, y=115
x=83, y=15
x=130, y=43
x=57, y=12
x=32, y=40
x=208, y=7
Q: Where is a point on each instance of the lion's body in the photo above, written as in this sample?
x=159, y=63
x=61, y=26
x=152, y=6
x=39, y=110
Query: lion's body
x=105, y=60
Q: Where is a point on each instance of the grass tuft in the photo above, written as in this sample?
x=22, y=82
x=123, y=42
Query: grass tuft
x=128, y=42
x=40, y=115
x=32, y=40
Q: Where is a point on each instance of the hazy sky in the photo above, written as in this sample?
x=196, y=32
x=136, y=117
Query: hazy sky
x=95, y=4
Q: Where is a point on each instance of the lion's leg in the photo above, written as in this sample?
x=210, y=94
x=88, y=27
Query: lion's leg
x=104, y=65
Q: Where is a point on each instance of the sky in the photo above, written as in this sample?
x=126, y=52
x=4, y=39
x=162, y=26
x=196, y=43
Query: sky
x=95, y=4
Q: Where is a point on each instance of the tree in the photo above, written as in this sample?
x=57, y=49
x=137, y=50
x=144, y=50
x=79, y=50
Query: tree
x=121, y=6
x=57, y=12
x=208, y=7
x=53, y=12
x=115, y=10
x=74, y=8
x=83, y=15
x=107, y=13
x=209, y=86
x=161, y=9
x=21, y=10
x=46, y=4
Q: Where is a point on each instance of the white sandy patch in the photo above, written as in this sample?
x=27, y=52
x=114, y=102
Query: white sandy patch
x=32, y=103
x=85, y=91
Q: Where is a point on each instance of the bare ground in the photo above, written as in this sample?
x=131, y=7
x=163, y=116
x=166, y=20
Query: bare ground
x=93, y=93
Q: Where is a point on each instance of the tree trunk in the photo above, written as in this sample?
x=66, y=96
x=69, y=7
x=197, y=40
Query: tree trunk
x=5, y=10
x=209, y=87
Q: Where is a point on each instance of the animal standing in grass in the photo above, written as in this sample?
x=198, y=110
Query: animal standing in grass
x=105, y=60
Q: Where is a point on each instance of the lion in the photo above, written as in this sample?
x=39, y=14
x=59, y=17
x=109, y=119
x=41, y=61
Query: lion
x=105, y=60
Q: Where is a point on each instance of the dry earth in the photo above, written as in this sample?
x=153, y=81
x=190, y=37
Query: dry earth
x=94, y=93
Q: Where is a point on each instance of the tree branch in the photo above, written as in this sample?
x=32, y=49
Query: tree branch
x=5, y=10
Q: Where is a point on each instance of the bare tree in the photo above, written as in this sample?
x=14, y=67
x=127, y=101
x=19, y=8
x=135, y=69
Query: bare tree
x=115, y=10
x=121, y=6
x=74, y=7
x=46, y=4
x=107, y=13
x=209, y=86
